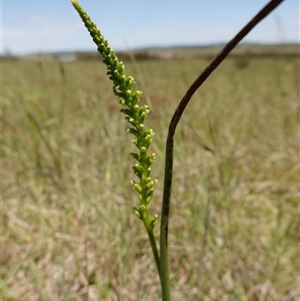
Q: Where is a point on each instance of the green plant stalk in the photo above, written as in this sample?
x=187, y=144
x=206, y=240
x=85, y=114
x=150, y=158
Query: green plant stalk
x=154, y=249
x=135, y=115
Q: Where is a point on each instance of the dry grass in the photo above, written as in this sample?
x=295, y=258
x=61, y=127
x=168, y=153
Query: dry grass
x=68, y=231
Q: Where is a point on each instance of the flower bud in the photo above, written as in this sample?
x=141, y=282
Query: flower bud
x=137, y=213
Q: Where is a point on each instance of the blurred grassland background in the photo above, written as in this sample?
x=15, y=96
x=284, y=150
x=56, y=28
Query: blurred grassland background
x=68, y=230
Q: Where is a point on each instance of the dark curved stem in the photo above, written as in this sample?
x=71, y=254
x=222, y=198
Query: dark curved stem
x=164, y=260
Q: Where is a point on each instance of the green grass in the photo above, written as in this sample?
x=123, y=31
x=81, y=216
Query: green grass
x=68, y=230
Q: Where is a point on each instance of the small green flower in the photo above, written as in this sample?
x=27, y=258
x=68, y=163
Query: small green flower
x=134, y=114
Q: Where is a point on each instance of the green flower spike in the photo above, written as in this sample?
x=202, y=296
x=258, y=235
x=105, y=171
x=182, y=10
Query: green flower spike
x=135, y=115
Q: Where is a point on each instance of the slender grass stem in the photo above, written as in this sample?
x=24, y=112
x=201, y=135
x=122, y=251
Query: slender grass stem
x=154, y=250
x=164, y=256
x=164, y=252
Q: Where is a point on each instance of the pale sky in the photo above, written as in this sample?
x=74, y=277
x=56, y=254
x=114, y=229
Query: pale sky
x=30, y=26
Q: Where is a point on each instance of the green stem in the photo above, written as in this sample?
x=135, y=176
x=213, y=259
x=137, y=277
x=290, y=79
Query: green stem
x=154, y=250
